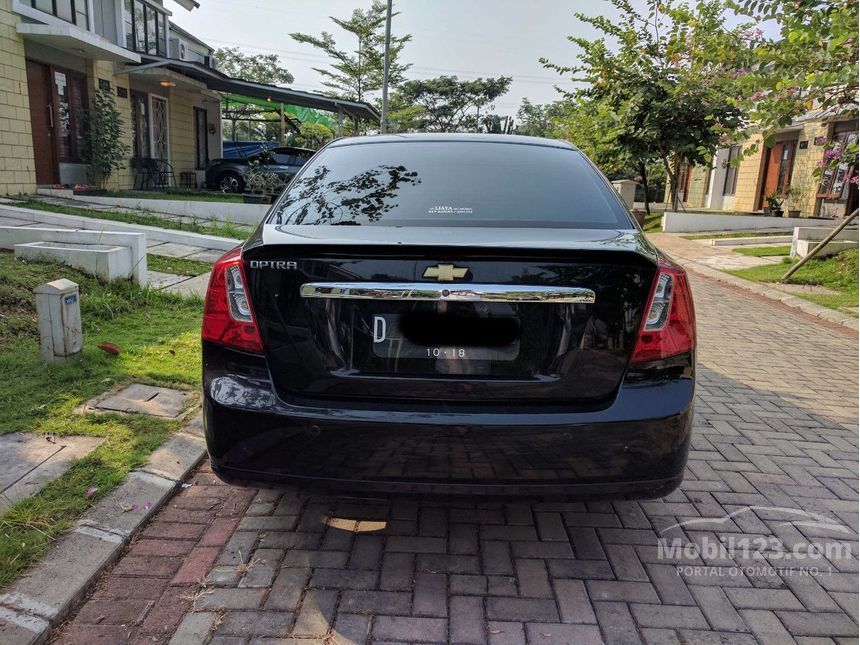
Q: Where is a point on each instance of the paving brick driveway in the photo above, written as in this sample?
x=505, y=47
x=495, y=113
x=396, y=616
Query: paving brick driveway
x=776, y=427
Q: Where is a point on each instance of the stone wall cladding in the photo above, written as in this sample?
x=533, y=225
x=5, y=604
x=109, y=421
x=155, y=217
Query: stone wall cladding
x=17, y=168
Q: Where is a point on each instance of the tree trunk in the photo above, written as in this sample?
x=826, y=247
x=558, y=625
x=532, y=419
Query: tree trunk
x=644, y=174
x=673, y=181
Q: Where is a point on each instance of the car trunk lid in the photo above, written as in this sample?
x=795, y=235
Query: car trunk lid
x=384, y=313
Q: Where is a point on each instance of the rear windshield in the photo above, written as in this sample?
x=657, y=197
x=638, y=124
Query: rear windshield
x=445, y=183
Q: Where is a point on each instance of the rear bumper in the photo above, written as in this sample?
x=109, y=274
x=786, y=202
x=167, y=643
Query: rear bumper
x=635, y=448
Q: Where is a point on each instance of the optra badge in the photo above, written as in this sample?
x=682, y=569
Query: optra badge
x=284, y=265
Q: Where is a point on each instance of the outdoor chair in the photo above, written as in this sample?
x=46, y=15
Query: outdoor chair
x=166, y=176
x=145, y=173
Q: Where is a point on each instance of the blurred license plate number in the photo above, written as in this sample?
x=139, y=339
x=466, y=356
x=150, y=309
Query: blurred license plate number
x=388, y=342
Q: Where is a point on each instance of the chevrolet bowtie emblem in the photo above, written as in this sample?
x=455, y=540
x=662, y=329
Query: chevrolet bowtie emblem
x=445, y=272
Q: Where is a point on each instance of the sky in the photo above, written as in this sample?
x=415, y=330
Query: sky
x=469, y=38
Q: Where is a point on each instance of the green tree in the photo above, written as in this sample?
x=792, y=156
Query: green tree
x=448, y=104
x=403, y=114
x=313, y=135
x=104, y=150
x=257, y=68
x=355, y=75
x=533, y=119
x=653, y=82
x=596, y=130
x=812, y=65
x=497, y=124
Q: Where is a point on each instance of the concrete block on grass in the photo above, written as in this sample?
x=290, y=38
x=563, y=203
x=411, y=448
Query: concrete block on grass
x=101, y=260
x=144, y=399
x=802, y=248
x=28, y=463
x=134, y=243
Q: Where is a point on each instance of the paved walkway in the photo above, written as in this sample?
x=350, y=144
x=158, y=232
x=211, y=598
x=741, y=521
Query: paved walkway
x=712, y=262
x=701, y=251
x=775, y=446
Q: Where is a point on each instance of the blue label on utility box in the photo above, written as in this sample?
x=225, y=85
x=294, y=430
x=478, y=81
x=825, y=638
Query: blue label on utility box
x=70, y=299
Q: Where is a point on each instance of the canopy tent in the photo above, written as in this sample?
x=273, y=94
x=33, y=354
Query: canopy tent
x=302, y=114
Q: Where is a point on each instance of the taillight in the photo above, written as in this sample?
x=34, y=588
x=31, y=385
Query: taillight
x=669, y=328
x=228, y=319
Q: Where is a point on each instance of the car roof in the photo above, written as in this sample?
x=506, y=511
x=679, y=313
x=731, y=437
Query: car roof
x=452, y=136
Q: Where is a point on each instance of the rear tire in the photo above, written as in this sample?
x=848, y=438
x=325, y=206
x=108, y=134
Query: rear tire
x=230, y=182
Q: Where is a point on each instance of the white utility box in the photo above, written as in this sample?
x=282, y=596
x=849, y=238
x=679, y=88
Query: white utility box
x=58, y=307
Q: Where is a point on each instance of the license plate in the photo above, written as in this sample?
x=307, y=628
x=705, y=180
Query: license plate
x=389, y=342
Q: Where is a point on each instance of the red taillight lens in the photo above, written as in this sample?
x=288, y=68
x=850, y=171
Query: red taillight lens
x=669, y=328
x=228, y=319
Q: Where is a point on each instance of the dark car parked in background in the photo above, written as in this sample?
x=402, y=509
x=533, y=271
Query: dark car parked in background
x=229, y=175
x=450, y=314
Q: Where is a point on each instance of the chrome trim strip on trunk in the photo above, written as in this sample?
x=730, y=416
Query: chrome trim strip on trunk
x=424, y=291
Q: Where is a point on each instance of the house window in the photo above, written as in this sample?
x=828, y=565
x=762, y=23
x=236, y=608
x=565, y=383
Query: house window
x=71, y=100
x=731, y=182
x=786, y=162
x=145, y=28
x=836, y=181
x=140, y=125
x=201, y=138
x=73, y=11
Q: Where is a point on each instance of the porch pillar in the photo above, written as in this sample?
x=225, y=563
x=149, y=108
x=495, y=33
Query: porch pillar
x=339, y=121
x=283, y=126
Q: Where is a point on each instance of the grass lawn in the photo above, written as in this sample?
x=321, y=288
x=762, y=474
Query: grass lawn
x=189, y=194
x=178, y=266
x=653, y=223
x=158, y=334
x=838, y=272
x=763, y=251
x=208, y=227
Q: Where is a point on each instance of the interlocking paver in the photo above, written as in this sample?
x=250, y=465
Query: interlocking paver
x=430, y=597
x=617, y=623
x=775, y=428
x=505, y=633
x=425, y=630
x=467, y=620
x=521, y=609
x=552, y=633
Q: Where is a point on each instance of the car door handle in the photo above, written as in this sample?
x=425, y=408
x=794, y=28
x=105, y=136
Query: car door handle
x=422, y=291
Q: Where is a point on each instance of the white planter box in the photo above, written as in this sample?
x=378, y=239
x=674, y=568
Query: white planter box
x=101, y=260
x=705, y=222
x=11, y=236
x=806, y=238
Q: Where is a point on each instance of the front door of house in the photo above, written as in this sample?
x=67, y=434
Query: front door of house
x=777, y=172
x=159, y=127
x=43, y=121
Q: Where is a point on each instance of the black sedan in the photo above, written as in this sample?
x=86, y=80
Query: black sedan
x=230, y=175
x=456, y=314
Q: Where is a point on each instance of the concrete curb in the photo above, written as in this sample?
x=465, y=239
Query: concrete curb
x=238, y=213
x=49, y=592
x=830, y=315
x=94, y=224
